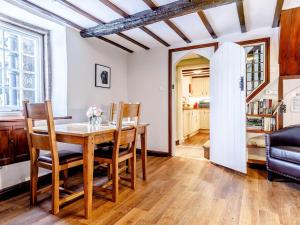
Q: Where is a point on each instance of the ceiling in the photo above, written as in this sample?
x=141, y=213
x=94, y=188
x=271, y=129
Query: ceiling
x=224, y=19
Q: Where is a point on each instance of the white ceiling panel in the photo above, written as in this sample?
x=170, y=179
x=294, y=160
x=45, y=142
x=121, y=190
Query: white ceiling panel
x=163, y=2
x=192, y=26
x=224, y=19
x=97, y=9
x=131, y=6
x=64, y=12
x=142, y=37
x=291, y=4
x=165, y=32
x=123, y=42
x=259, y=13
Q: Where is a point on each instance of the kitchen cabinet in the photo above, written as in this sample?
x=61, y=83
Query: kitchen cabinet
x=13, y=142
x=194, y=120
x=200, y=87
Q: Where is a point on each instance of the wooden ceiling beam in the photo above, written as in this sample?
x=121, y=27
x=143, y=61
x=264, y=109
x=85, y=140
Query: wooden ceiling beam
x=126, y=15
x=240, y=9
x=168, y=11
x=153, y=6
x=207, y=24
x=95, y=19
x=277, y=13
x=41, y=12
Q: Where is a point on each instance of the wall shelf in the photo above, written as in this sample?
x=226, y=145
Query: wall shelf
x=259, y=131
x=261, y=115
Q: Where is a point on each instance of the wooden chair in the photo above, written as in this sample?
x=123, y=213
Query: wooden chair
x=113, y=155
x=55, y=160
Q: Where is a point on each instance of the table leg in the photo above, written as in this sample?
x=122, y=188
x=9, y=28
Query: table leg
x=144, y=153
x=88, y=165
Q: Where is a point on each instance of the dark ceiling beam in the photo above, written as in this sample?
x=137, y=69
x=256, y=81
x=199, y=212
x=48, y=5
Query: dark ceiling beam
x=278, y=10
x=240, y=9
x=125, y=15
x=153, y=6
x=207, y=24
x=168, y=11
x=95, y=19
x=41, y=12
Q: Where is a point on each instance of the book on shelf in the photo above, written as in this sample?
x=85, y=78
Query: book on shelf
x=259, y=107
x=263, y=124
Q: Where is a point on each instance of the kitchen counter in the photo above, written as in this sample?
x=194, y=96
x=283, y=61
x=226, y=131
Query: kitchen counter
x=195, y=108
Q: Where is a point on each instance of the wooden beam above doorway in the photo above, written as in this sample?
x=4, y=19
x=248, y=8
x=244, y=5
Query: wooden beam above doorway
x=124, y=14
x=168, y=11
x=154, y=6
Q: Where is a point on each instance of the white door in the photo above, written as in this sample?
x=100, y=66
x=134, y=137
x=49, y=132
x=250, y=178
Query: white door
x=227, y=112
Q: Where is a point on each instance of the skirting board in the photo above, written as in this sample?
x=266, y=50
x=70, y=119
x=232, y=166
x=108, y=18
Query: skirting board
x=23, y=187
x=154, y=153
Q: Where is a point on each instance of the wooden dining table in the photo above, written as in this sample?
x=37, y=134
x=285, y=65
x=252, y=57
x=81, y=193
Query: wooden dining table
x=88, y=136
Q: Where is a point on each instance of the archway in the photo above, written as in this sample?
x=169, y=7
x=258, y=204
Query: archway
x=175, y=56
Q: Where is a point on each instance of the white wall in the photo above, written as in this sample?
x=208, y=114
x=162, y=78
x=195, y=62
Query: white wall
x=82, y=56
x=148, y=82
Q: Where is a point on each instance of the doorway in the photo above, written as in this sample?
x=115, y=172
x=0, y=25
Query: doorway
x=175, y=56
x=192, y=103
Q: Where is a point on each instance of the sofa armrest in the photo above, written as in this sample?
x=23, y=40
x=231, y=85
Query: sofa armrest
x=289, y=136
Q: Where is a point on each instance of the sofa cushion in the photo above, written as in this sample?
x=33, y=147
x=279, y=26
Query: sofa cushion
x=286, y=153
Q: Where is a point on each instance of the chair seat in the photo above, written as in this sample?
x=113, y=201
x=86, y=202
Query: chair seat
x=65, y=156
x=286, y=153
x=107, y=152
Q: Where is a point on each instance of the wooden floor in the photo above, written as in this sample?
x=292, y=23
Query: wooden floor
x=192, y=147
x=179, y=191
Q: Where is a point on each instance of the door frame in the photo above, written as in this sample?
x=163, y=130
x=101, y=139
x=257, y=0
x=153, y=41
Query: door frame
x=170, y=85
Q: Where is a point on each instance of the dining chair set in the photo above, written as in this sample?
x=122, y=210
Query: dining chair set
x=111, y=145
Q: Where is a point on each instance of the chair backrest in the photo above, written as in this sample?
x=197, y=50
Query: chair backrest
x=37, y=141
x=126, y=134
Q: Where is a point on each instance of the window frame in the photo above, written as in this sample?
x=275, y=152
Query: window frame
x=43, y=60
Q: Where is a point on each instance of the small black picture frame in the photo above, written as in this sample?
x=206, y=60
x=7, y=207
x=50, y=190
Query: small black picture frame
x=102, y=76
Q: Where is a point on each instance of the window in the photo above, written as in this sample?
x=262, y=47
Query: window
x=21, y=57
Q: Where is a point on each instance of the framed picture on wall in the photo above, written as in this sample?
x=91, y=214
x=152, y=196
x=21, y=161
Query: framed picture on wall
x=102, y=76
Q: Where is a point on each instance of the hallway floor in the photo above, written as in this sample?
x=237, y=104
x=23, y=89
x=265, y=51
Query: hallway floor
x=192, y=147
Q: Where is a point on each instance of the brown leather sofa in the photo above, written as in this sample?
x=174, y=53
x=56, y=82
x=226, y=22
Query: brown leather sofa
x=283, y=153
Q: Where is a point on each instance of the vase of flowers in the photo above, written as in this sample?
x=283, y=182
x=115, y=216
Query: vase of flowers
x=94, y=115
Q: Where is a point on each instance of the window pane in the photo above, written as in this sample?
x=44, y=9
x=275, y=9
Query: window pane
x=11, y=60
x=1, y=97
x=1, y=59
x=28, y=63
x=29, y=95
x=28, y=80
x=1, y=39
x=12, y=79
x=1, y=77
x=28, y=46
x=11, y=41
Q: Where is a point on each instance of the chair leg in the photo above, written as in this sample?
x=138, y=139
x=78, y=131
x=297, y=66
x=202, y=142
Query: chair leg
x=65, y=177
x=109, y=171
x=133, y=171
x=270, y=176
x=55, y=191
x=128, y=163
x=33, y=184
x=115, y=181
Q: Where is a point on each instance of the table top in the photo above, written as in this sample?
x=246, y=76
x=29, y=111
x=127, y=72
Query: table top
x=82, y=129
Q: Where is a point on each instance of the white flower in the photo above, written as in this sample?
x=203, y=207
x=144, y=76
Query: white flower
x=94, y=112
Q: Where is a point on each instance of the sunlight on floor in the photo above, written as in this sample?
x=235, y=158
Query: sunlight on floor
x=192, y=147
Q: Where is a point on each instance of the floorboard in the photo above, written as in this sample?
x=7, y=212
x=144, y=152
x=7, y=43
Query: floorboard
x=179, y=191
